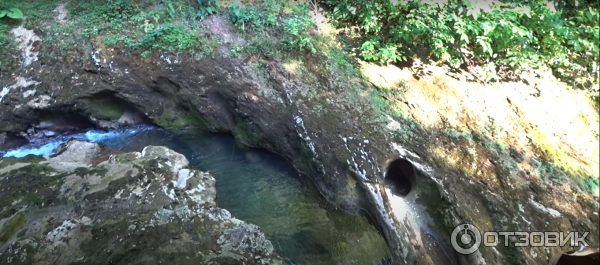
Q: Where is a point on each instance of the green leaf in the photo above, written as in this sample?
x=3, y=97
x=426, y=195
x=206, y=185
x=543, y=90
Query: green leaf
x=3, y=13
x=589, y=16
x=14, y=13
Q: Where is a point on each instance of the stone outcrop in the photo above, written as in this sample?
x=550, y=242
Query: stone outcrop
x=135, y=208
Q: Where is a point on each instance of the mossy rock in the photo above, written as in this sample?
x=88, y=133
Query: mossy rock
x=244, y=134
x=106, y=109
x=7, y=161
x=181, y=120
x=12, y=226
x=29, y=185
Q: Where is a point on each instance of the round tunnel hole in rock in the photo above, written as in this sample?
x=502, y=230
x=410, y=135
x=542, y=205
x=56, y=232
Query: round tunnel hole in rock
x=400, y=177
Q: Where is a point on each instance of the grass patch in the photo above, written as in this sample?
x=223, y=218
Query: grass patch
x=12, y=226
x=145, y=26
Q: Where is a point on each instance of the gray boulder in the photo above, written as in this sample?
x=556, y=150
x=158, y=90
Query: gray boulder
x=135, y=208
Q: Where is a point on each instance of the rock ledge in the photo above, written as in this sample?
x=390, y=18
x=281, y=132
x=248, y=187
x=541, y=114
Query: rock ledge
x=135, y=208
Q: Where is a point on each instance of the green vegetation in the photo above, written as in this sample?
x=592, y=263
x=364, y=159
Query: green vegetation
x=13, y=13
x=169, y=26
x=265, y=19
x=169, y=37
x=40, y=168
x=9, y=48
x=30, y=11
x=298, y=38
x=173, y=26
x=507, y=39
x=454, y=134
x=206, y=8
x=12, y=226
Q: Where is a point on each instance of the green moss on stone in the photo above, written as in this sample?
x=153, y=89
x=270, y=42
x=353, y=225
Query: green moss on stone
x=106, y=109
x=12, y=226
x=178, y=120
x=40, y=168
x=29, y=185
x=96, y=170
x=243, y=132
x=307, y=158
x=7, y=161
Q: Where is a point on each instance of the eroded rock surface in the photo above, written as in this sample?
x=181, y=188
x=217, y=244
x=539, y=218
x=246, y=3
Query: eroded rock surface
x=135, y=208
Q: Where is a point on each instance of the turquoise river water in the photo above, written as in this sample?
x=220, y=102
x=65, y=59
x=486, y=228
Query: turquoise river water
x=257, y=187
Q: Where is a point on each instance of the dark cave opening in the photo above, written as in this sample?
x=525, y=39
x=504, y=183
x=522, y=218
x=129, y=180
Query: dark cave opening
x=400, y=177
x=583, y=258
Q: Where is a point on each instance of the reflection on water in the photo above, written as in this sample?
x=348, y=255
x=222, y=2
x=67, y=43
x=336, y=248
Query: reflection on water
x=261, y=188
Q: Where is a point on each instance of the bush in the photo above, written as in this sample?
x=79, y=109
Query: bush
x=506, y=37
x=114, y=10
x=169, y=37
x=288, y=23
x=206, y=8
x=298, y=33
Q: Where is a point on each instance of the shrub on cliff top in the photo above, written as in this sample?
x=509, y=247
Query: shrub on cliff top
x=512, y=36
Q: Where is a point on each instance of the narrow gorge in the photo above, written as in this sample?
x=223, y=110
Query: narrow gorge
x=115, y=155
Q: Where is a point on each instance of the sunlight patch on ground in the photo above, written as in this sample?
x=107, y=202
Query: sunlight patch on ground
x=507, y=120
x=384, y=76
x=291, y=68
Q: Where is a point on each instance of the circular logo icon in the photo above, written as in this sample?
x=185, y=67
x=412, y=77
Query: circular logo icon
x=466, y=239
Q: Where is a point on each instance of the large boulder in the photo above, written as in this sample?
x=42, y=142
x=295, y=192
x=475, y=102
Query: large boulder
x=135, y=208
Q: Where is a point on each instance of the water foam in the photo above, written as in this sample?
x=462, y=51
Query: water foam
x=47, y=146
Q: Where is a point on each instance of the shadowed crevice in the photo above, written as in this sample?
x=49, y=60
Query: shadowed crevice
x=583, y=258
x=400, y=177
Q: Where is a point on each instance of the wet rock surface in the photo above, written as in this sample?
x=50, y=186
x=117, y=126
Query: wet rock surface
x=135, y=208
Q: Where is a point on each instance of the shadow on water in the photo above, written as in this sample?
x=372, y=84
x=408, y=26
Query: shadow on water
x=262, y=188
